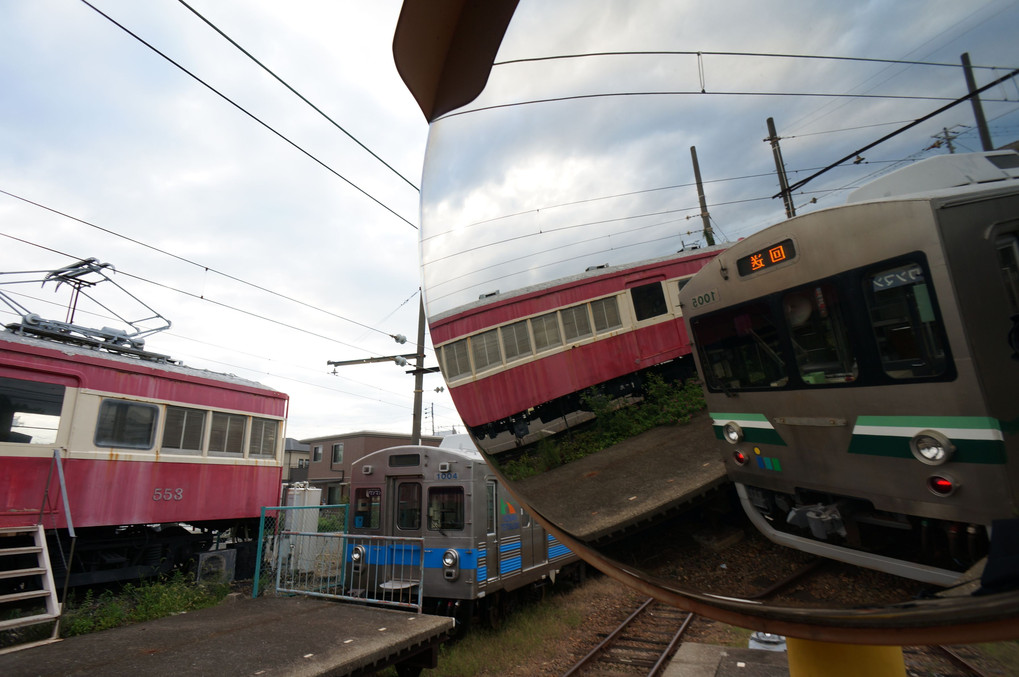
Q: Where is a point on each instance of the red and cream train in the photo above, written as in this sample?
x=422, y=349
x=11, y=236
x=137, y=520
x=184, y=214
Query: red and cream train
x=156, y=458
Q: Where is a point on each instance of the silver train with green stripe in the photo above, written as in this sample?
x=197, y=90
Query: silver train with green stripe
x=861, y=367
x=438, y=521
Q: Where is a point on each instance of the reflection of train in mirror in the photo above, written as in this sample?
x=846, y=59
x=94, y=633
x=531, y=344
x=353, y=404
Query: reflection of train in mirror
x=158, y=458
x=517, y=364
x=480, y=545
x=862, y=362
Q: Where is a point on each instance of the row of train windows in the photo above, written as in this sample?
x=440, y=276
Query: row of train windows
x=444, y=510
x=518, y=340
x=30, y=414
x=803, y=336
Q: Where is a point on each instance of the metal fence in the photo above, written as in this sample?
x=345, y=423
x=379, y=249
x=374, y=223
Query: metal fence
x=301, y=553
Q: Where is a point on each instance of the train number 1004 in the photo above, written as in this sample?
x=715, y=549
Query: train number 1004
x=168, y=494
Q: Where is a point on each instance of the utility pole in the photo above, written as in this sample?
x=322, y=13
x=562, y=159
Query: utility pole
x=419, y=369
x=783, y=183
x=709, y=236
x=978, y=109
x=945, y=137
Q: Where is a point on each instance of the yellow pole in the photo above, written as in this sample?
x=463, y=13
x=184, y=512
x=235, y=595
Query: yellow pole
x=808, y=658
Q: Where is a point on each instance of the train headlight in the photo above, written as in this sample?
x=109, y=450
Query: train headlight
x=357, y=557
x=450, y=564
x=931, y=447
x=732, y=432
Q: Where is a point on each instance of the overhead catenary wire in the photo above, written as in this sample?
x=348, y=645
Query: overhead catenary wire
x=251, y=115
x=192, y=295
x=188, y=261
x=298, y=94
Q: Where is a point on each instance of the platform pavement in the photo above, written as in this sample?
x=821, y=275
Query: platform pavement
x=295, y=636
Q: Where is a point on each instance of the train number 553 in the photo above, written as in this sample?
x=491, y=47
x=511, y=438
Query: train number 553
x=168, y=494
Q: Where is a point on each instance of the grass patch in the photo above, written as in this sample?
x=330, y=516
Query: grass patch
x=139, y=602
x=664, y=403
x=532, y=631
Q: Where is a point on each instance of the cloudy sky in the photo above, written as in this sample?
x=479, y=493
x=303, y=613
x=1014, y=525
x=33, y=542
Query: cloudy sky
x=599, y=169
x=196, y=204
x=274, y=242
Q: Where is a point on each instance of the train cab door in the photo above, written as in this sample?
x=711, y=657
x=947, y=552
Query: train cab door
x=405, y=498
x=405, y=510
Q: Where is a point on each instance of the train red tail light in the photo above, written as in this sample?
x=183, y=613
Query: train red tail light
x=739, y=457
x=941, y=485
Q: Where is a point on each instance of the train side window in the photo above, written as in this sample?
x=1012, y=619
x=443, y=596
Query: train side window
x=606, y=314
x=456, y=359
x=446, y=508
x=29, y=411
x=648, y=301
x=367, y=507
x=227, y=434
x=183, y=430
x=740, y=348
x=264, y=433
x=516, y=342
x=819, y=335
x=1008, y=260
x=903, y=316
x=408, y=509
x=576, y=323
x=485, y=349
x=546, y=332
x=129, y=425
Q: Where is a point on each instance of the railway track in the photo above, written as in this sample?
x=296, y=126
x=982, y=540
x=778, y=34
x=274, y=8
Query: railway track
x=639, y=646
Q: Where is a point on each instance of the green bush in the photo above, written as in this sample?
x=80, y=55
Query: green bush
x=138, y=602
x=664, y=403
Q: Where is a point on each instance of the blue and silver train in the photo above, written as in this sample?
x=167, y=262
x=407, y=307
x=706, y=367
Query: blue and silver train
x=480, y=546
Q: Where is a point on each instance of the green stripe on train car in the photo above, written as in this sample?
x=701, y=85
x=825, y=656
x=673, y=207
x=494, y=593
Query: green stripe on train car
x=756, y=427
x=977, y=439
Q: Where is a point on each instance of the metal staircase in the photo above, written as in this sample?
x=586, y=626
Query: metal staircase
x=27, y=593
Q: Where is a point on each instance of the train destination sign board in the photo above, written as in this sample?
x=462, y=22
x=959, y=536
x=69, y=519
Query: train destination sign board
x=766, y=258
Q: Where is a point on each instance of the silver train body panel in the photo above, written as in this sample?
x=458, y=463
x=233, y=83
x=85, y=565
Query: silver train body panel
x=861, y=365
x=477, y=538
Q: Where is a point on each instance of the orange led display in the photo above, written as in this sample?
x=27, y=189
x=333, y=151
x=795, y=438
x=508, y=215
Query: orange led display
x=766, y=258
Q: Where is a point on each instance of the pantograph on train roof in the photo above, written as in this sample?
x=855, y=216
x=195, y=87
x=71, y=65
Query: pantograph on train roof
x=81, y=280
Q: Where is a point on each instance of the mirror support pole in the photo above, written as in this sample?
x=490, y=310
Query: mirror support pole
x=808, y=657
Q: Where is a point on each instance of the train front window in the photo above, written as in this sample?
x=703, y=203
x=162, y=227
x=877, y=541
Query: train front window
x=446, y=508
x=909, y=335
x=183, y=430
x=29, y=411
x=819, y=335
x=367, y=507
x=740, y=348
x=408, y=509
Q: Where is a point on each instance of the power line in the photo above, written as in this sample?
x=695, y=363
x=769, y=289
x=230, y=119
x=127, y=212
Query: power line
x=192, y=295
x=296, y=93
x=189, y=261
x=252, y=116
